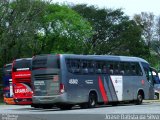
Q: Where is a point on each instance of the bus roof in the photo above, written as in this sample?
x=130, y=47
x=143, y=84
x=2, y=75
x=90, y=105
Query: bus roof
x=23, y=59
x=102, y=57
x=9, y=64
x=107, y=57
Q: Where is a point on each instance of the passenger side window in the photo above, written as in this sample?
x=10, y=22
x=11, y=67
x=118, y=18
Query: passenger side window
x=105, y=69
x=84, y=67
x=91, y=66
x=110, y=66
x=116, y=68
x=99, y=67
x=73, y=65
x=133, y=69
x=127, y=70
x=138, y=69
x=122, y=68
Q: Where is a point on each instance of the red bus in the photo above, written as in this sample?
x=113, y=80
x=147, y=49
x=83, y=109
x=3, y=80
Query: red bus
x=21, y=79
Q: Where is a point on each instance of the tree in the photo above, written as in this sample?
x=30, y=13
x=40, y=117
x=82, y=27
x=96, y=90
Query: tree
x=146, y=21
x=19, y=23
x=63, y=30
x=113, y=32
x=156, y=42
x=29, y=27
x=3, y=10
x=151, y=35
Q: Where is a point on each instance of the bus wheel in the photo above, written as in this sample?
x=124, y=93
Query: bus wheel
x=92, y=102
x=156, y=96
x=139, y=99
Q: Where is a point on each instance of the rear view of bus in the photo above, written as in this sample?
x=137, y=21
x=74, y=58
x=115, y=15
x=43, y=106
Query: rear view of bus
x=47, y=88
x=21, y=77
x=7, y=84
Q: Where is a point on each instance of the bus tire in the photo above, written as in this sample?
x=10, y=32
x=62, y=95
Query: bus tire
x=92, y=101
x=156, y=96
x=139, y=98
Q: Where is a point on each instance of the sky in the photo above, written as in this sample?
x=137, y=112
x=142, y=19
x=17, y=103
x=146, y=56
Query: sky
x=130, y=7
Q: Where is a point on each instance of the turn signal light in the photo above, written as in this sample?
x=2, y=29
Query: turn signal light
x=61, y=88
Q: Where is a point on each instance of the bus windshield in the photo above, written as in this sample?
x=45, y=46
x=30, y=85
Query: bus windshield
x=7, y=69
x=7, y=74
x=47, y=61
x=24, y=64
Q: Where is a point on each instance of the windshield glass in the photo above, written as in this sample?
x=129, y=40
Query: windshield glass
x=7, y=69
x=23, y=64
x=45, y=61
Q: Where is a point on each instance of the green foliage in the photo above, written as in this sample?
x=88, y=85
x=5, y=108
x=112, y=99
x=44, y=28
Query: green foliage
x=64, y=30
x=155, y=44
x=146, y=22
x=20, y=24
x=114, y=33
x=29, y=27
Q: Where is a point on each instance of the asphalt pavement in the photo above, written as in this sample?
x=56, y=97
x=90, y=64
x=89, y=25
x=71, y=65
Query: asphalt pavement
x=145, y=111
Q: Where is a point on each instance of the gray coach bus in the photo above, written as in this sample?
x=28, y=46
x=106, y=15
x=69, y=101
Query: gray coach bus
x=87, y=80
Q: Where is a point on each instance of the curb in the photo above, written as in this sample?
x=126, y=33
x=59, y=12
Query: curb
x=150, y=101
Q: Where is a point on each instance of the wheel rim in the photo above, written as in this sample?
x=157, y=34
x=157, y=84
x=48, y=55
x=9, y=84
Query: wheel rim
x=140, y=98
x=92, y=100
x=155, y=97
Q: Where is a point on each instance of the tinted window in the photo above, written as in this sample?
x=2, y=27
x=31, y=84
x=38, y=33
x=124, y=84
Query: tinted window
x=22, y=64
x=73, y=65
x=101, y=67
x=136, y=69
x=148, y=73
x=116, y=68
x=110, y=67
x=91, y=66
x=127, y=70
x=7, y=69
x=122, y=68
x=80, y=66
x=83, y=66
x=47, y=61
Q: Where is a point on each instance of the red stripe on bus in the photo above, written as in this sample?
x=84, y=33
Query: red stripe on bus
x=102, y=90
